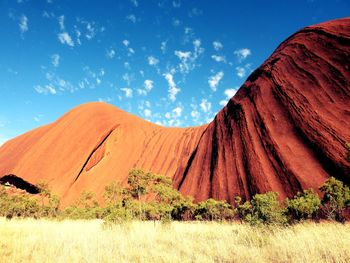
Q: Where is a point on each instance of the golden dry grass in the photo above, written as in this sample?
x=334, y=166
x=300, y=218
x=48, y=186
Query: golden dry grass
x=32, y=240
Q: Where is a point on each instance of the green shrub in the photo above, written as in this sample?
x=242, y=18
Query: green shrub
x=262, y=209
x=212, y=209
x=304, y=205
x=335, y=200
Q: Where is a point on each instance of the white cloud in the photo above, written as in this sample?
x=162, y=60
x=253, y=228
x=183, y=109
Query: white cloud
x=90, y=30
x=47, y=89
x=177, y=112
x=163, y=46
x=217, y=45
x=61, y=22
x=214, y=80
x=205, y=105
x=131, y=51
x=182, y=55
x=131, y=18
x=218, y=58
x=128, y=92
x=242, y=53
x=195, y=114
x=127, y=78
x=240, y=72
x=55, y=60
x=173, y=90
x=188, y=59
x=23, y=24
x=147, y=113
x=78, y=34
x=173, y=117
x=230, y=93
x=148, y=84
x=110, y=53
x=223, y=102
x=152, y=60
x=126, y=42
x=65, y=38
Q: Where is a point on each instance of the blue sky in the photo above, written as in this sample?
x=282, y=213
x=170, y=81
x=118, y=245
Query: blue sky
x=172, y=62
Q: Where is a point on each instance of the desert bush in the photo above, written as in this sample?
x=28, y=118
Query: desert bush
x=183, y=209
x=212, y=209
x=336, y=198
x=262, y=209
x=304, y=205
x=86, y=207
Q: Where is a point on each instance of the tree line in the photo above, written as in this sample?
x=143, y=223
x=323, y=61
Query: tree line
x=148, y=196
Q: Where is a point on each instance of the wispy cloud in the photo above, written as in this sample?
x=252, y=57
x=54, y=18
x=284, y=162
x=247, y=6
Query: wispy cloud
x=205, y=105
x=188, y=59
x=163, y=45
x=152, y=61
x=55, y=60
x=131, y=18
x=217, y=45
x=47, y=89
x=241, y=71
x=229, y=93
x=61, y=22
x=110, y=53
x=65, y=38
x=173, y=90
x=148, y=84
x=127, y=92
x=147, y=87
x=242, y=53
x=218, y=58
x=214, y=80
x=23, y=24
x=173, y=117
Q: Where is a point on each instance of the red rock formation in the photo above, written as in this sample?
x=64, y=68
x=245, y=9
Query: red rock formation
x=286, y=127
x=284, y=130
x=93, y=145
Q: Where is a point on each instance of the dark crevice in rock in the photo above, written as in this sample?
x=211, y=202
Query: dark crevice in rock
x=94, y=150
x=18, y=182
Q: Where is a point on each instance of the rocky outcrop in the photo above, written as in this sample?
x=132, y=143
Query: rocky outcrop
x=284, y=130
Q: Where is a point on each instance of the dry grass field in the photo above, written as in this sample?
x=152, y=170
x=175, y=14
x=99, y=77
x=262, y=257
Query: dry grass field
x=30, y=240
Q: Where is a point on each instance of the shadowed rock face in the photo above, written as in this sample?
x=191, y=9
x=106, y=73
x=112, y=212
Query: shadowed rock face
x=283, y=131
x=287, y=126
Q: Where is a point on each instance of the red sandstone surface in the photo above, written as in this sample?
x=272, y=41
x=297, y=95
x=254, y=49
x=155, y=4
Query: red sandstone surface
x=285, y=130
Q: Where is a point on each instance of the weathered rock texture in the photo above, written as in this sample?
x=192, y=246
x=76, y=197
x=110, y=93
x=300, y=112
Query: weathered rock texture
x=283, y=131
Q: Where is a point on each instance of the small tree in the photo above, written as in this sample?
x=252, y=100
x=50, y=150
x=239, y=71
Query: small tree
x=114, y=193
x=262, y=209
x=139, y=182
x=304, y=205
x=335, y=199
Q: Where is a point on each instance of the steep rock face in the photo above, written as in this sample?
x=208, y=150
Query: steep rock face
x=283, y=131
x=286, y=128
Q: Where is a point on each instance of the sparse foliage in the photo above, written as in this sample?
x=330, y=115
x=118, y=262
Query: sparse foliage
x=304, y=205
